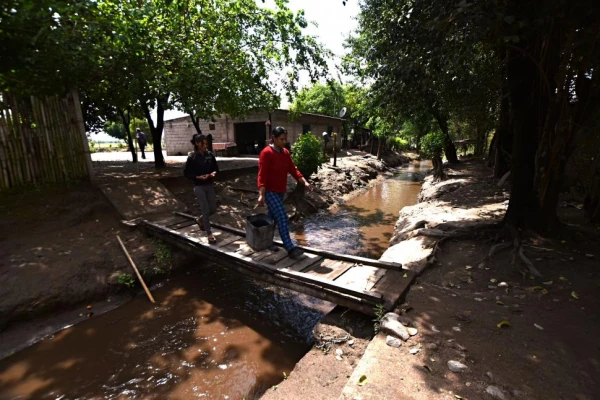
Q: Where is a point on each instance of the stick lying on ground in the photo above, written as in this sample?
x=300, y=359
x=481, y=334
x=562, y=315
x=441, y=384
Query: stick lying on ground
x=136, y=270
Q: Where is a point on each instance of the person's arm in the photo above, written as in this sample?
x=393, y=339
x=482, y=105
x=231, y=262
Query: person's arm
x=188, y=171
x=215, y=167
x=261, y=195
x=262, y=177
x=297, y=175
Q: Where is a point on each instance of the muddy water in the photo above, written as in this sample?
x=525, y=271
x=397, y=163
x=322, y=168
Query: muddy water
x=213, y=334
x=365, y=224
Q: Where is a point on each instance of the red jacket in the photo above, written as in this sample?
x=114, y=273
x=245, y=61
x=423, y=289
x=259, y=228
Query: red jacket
x=273, y=168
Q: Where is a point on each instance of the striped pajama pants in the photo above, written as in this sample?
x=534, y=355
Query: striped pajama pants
x=277, y=212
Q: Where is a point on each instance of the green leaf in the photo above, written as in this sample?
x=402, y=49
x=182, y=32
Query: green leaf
x=504, y=323
x=575, y=295
x=362, y=380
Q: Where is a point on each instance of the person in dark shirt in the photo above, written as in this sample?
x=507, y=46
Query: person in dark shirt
x=201, y=167
x=274, y=165
x=142, y=141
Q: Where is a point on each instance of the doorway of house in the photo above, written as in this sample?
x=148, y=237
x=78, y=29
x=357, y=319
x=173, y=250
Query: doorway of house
x=250, y=137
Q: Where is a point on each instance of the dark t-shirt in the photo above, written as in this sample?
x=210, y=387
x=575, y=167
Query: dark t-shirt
x=200, y=164
x=141, y=137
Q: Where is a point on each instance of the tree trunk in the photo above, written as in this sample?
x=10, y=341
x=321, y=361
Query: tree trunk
x=524, y=86
x=379, y=145
x=591, y=202
x=196, y=122
x=438, y=169
x=501, y=146
x=161, y=102
x=126, y=118
x=503, y=138
x=480, y=141
x=449, y=148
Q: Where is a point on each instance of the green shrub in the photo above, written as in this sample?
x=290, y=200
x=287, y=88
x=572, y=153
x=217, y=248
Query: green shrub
x=126, y=279
x=398, y=144
x=379, y=311
x=307, y=154
x=432, y=145
x=163, y=255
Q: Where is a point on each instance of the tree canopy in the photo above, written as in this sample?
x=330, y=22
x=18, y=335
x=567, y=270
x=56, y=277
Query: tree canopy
x=201, y=57
x=529, y=68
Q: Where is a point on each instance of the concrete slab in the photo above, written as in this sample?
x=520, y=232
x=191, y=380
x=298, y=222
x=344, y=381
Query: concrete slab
x=412, y=253
x=134, y=198
x=384, y=374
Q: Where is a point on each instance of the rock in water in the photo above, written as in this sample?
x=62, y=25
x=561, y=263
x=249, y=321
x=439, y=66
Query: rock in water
x=495, y=392
x=390, y=324
x=456, y=366
x=393, y=341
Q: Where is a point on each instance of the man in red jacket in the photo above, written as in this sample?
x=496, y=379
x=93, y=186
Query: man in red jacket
x=274, y=164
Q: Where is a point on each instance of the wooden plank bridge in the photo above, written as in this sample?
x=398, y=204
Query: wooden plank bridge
x=355, y=282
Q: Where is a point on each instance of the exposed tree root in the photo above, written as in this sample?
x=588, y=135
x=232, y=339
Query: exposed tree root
x=518, y=252
x=496, y=248
x=533, y=270
x=454, y=235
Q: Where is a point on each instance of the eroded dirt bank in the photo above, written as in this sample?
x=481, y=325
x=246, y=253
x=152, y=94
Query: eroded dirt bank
x=516, y=336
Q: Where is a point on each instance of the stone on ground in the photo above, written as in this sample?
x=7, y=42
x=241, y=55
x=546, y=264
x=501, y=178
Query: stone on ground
x=391, y=325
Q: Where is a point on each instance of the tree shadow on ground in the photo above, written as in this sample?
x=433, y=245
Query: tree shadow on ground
x=547, y=351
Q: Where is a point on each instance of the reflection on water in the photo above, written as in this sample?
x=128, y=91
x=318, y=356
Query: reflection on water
x=213, y=334
x=364, y=225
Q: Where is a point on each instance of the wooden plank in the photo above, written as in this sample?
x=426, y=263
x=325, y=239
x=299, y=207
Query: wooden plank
x=173, y=220
x=285, y=262
x=238, y=246
x=358, y=304
x=259, y=255
x=342, y=267
x=324, y=268
x=297, y=276
x=192, y=230
x=374, y=278
x=323, y=253
x=303, y=277
x=393, y=285
x=181, y=224
x=359, y=277
x=275, y=257
x=306, y=261
x=329, y=269
x=224, y=238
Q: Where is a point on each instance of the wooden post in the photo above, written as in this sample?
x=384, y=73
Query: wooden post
x=136, y=270
x=81, y=126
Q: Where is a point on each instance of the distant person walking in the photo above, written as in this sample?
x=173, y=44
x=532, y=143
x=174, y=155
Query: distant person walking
x=201, y=167
x=142, y=141
x=274, y=164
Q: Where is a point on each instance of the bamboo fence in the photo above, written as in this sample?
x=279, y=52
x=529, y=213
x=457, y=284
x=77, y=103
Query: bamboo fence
x=42, y=141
